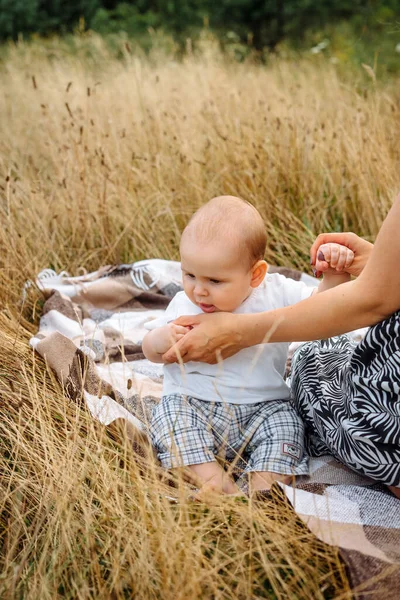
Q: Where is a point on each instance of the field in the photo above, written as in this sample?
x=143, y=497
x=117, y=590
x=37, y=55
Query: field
x=102, y=161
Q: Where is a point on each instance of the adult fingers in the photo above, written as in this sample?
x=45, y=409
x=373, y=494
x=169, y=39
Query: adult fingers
x=188, y=321
x=177, y=352
x=320, y=267
x=347, y=239
x=323, y=258
x=320, y=240
x=176, y=333
x=179, y=330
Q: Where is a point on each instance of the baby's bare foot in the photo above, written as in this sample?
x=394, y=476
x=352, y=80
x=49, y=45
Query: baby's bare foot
x=209, y=493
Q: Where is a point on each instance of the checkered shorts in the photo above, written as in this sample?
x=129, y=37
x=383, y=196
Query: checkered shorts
x=268, y=435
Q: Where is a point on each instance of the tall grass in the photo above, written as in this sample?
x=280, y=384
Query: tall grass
x=103, y=161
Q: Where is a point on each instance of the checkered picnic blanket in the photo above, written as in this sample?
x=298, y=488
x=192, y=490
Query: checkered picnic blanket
x=90, y=334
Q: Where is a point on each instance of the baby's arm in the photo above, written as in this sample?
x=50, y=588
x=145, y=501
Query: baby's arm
x=158, y=341
x=332, y=260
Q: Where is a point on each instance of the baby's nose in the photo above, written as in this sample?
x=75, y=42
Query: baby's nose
x=200, y=290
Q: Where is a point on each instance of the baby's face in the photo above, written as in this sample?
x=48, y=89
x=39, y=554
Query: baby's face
x=215, y=276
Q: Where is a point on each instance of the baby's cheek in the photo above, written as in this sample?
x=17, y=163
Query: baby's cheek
x=220, y=302
x=189, y=292
x=227, y=306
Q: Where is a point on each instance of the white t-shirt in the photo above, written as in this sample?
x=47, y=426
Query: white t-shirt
x=252, y=375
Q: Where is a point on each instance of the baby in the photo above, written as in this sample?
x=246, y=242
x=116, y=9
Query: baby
x=241, y=406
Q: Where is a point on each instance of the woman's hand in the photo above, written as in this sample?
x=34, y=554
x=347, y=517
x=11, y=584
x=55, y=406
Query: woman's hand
x=337, y=258
x=160, y=340
x=212, y=338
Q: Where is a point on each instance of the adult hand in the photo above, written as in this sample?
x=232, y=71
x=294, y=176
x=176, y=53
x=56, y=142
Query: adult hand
x=212, y=337
x=360, y=248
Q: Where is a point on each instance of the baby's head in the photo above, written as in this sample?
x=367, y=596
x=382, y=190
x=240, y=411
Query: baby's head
x=222, y=254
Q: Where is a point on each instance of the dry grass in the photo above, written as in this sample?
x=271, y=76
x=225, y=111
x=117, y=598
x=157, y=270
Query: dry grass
x=105, y=165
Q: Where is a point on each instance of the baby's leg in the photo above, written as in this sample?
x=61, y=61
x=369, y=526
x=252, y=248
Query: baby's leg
x=213, y=479
x=263, y=480
x=276, y=450
x=183, y=439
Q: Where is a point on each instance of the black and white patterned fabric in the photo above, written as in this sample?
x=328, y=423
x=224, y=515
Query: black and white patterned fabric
x=268, y=435
x=348, y=396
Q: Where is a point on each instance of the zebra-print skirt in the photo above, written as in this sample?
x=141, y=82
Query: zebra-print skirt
x=348, y=396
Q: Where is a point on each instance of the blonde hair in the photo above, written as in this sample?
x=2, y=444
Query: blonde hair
x=233, y=218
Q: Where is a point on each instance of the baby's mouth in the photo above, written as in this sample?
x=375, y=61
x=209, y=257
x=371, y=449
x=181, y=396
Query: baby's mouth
x=207, y=308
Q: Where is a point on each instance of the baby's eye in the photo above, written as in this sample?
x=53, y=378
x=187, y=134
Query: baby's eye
x=215, y=281
x=189, y=275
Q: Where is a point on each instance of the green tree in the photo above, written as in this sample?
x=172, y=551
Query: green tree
x=264, y=20
x=267, y=22
x=17, y=16
x=63, y=15
x=43, y=16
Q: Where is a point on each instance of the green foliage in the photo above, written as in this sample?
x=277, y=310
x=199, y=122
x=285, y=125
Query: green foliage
x=59, y=15
x=135, y=18
x=354, y=29
x=43, y=16
x=125, y=17
x=17, y=16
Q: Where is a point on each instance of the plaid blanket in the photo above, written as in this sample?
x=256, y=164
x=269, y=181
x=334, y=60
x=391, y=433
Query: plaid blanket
x=90, y=334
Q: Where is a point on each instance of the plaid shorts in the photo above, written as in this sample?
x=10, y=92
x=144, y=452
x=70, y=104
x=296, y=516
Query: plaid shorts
x=268, y=436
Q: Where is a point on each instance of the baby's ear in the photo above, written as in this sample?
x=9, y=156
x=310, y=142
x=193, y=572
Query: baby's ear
x=258, y=272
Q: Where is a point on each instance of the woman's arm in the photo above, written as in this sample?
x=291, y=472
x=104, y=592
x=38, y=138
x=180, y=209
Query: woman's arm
x=365, y=301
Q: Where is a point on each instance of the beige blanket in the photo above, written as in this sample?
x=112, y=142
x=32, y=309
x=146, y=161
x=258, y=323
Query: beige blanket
x=90, y=335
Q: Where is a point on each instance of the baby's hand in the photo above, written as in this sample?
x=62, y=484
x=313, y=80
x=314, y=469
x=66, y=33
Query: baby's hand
x=167, y=336
x=333, y=259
